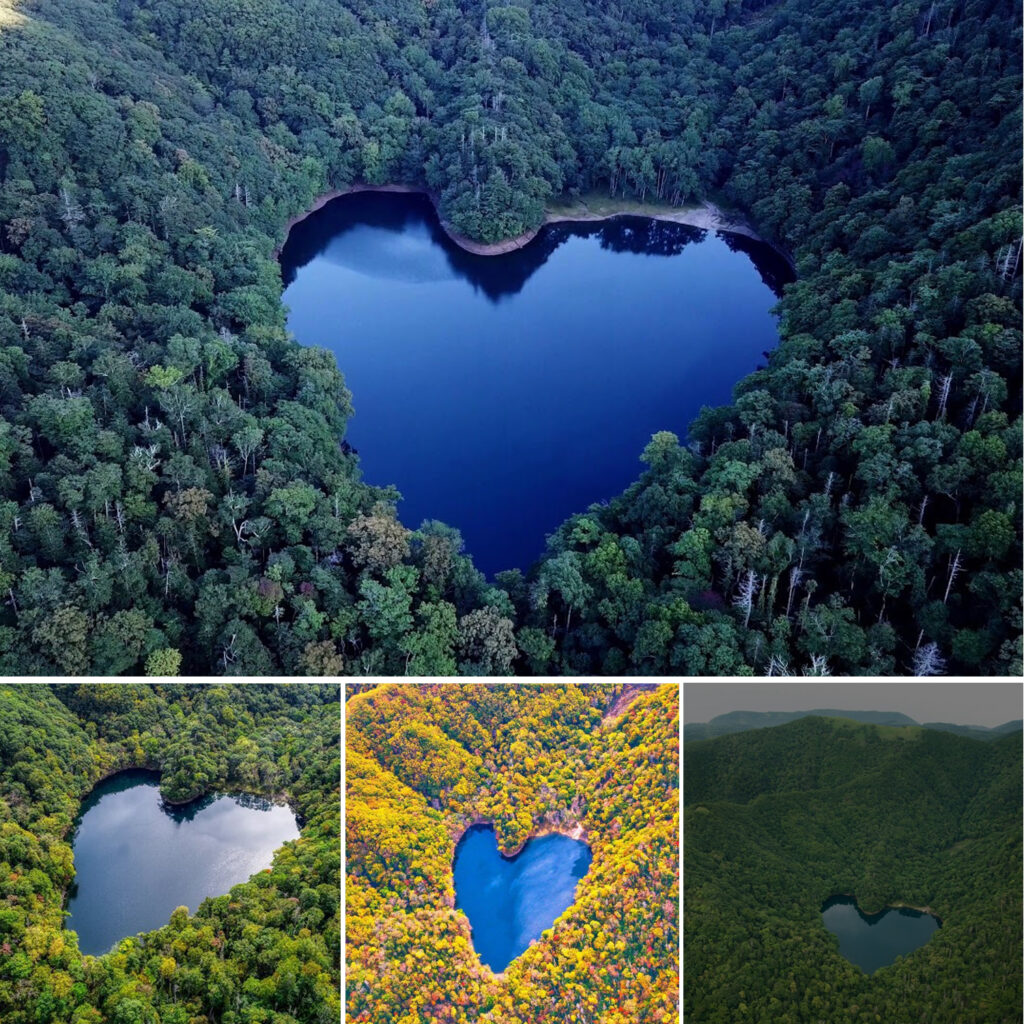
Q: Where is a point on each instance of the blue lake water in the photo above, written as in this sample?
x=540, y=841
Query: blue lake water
x=509, y=901
x=875, y=940
x=136, y=859
x=501, y=394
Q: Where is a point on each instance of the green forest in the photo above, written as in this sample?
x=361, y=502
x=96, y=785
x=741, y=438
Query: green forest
x=268, y=952
x=425, y=762
x=778, y=820
x=175, y=493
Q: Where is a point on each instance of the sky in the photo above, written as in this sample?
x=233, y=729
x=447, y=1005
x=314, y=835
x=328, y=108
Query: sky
x=964, y=703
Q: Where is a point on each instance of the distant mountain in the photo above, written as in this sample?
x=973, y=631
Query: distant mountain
x=743, y=721
x=978, y=732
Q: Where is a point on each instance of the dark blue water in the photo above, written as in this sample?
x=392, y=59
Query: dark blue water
x=509, y=901
x=501, y=394
x=136, y=860
x=873, y=941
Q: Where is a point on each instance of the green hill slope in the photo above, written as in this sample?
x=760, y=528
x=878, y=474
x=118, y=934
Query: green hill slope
x=780, y=819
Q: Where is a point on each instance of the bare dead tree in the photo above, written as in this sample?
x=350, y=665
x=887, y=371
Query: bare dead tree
x=72, y=213
x=745, y=595
x=954, y=571
x=228, y=655
x=1006, y=269
x=796, y=574
x=928, y=661
x=818, y=666
x=945, y=383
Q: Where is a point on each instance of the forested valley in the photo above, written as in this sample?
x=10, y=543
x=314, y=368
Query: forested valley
x=267, y=951
x=175, y=495
x=779, y=820
x=424, y=763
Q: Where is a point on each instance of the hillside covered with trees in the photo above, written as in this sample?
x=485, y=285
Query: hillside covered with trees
x=425, y=762
x=174, y=491
x=267, y=951
x=779, y=820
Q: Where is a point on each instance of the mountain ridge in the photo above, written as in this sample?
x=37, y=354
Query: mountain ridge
x=743, y=721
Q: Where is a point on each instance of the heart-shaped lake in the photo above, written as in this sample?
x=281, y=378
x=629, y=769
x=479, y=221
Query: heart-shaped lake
x=501, y=394
x=509, y=901
x=136, y=859
x=874, y=940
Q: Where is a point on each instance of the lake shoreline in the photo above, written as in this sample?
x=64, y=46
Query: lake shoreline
x=575, y=831
x=195, y=858
x=280, y=798
x=705, y=216
x=888, y=906
x=543, y=330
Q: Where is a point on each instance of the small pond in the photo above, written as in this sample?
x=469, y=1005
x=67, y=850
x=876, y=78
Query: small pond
x=136, y=858
x=875, y=940
x=509, y=901
x=501, y=394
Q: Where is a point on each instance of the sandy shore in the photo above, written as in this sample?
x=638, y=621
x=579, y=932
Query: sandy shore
x=706, y=216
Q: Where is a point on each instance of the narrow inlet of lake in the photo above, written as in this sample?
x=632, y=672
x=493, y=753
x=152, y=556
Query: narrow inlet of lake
x=136, y=859
x=501, y=394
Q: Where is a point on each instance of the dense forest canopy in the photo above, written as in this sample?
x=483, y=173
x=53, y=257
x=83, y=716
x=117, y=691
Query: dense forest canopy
x=267, y=951
x=778, y=820
x=423, y=763
x=173, y=491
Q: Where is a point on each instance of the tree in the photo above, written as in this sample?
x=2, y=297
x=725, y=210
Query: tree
x=746, y=593
x=163, y=662
x=431, y=647
x=379, y=540
x=928, y=661
x=877, y=155
x=62, y=636
x=870, y=93
x=486, y=643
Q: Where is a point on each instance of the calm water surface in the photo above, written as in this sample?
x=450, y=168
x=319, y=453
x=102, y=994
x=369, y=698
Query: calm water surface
x=876, y=940
x=501, y=394
x=509, y=901
x=136, y=860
